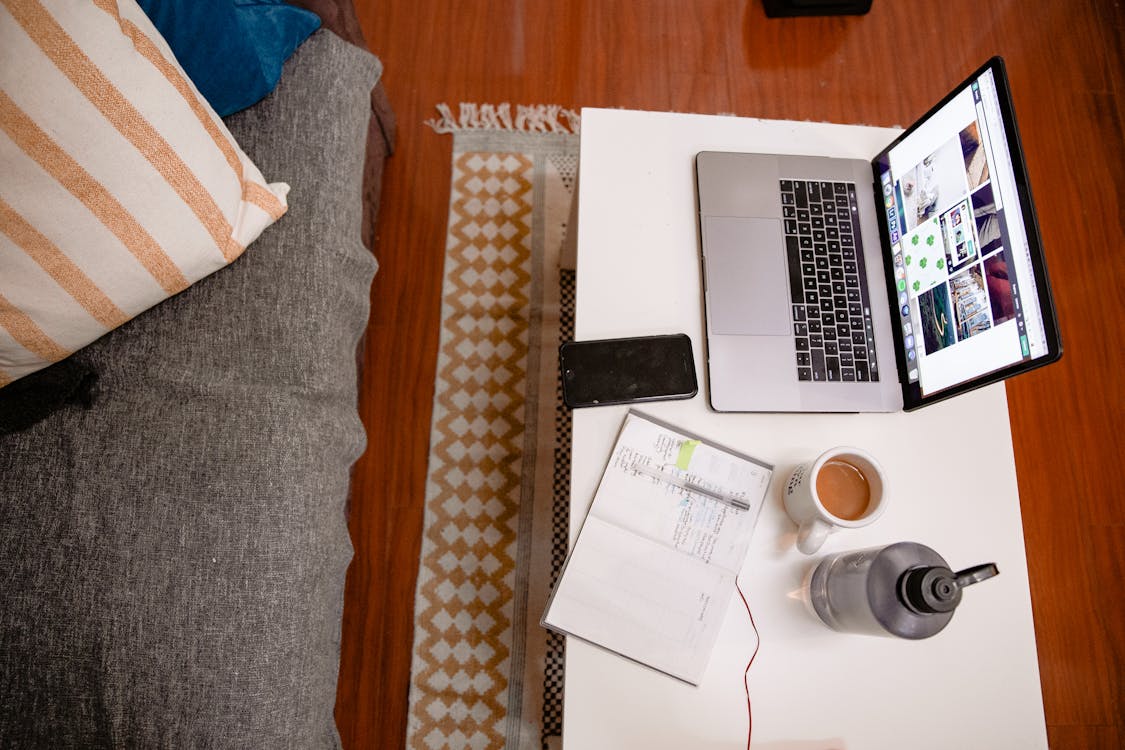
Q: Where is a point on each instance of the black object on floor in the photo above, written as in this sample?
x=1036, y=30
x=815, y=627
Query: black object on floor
x=785, y=8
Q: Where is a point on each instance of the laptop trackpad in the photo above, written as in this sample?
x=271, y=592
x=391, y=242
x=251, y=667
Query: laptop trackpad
x=747, y=288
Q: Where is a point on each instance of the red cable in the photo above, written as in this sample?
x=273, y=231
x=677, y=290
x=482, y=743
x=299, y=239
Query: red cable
x=746, y=674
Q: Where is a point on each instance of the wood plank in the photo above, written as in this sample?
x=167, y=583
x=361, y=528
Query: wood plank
x=1065, y=60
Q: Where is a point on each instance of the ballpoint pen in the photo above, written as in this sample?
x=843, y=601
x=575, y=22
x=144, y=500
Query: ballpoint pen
x=683, y=484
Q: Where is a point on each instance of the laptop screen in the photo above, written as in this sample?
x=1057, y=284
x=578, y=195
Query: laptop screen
x=970, y=293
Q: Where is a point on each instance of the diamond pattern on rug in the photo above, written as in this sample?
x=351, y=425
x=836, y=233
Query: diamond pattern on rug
x=484, y=673
x=464, y=600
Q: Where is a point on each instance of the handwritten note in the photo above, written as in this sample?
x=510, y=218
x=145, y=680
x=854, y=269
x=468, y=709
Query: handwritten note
x=653, y=569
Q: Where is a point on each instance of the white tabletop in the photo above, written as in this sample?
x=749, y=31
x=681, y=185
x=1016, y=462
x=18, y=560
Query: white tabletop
x=952, y=487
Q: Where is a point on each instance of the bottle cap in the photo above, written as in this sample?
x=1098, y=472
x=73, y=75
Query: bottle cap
x=930, y=590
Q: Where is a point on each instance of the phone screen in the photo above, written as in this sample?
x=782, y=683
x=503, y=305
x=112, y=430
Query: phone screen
x=617, y=371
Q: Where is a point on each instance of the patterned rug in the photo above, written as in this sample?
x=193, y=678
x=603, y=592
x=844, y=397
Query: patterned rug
x=485, y=674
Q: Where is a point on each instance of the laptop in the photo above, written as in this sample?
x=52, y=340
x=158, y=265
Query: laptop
x=841, y=285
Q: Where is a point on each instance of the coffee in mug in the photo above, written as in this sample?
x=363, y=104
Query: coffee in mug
x=843, y=488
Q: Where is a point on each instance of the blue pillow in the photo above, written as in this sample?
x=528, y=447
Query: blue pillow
x=232, y=50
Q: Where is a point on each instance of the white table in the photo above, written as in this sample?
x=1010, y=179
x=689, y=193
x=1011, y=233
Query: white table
x=951, y=472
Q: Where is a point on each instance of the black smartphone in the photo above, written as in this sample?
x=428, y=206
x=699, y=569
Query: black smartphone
x=619, y=371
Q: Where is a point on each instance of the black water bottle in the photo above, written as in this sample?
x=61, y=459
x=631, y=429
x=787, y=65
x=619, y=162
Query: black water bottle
x=904, y=590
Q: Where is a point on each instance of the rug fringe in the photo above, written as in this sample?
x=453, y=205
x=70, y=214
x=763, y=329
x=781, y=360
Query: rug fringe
x=538, y=118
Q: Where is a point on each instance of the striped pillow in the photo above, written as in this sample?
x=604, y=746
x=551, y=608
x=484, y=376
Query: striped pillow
x=119, y=185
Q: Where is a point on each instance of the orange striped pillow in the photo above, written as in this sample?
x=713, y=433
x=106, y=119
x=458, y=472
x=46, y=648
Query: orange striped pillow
x=119, y=185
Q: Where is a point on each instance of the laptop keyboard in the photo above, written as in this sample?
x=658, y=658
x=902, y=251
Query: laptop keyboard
x=831, y=308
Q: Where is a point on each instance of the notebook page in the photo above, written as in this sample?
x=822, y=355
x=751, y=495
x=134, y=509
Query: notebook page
x=646, y=490
x=642, y=600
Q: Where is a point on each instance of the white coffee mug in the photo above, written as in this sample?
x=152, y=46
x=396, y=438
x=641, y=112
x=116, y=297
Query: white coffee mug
x=849, y=471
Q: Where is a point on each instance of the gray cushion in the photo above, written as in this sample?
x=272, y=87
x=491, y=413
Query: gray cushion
x=172, y=559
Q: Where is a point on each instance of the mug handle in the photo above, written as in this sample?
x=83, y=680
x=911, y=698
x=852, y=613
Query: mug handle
x=811, y=535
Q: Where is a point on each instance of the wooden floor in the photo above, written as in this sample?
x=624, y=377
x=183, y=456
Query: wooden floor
x=1066, y=61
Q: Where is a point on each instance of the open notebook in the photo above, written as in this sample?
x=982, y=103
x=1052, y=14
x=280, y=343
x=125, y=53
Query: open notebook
x=653, y=570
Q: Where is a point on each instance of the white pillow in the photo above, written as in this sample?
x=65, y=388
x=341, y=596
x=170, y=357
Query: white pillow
x=119, y=185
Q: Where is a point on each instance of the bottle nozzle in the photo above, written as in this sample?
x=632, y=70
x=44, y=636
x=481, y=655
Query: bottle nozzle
x=975, y=574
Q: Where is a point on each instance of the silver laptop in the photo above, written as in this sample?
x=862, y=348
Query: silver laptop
x=840, y=285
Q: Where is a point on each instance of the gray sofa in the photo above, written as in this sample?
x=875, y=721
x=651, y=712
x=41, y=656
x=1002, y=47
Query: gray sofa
x=173, y=554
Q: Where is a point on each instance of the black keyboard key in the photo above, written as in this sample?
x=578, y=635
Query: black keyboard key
x=858, y=338
x=787, y=185
x=832, y=368
x=800, y=329
x=798, y=312
x=804, y=373
x=793, y=254
x=846, y=359
x=818, y=366
x=802, y=343
x=861, y=372
x=831, y=348
x=804, y=359
x=847, y=374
